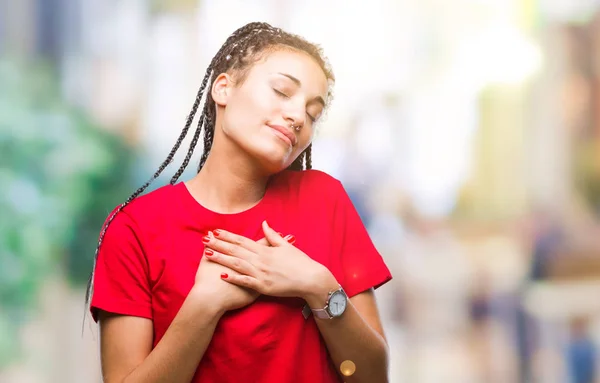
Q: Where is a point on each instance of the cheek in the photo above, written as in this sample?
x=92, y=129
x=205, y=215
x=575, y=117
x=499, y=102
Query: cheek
x=252, y=109
x=238, y=116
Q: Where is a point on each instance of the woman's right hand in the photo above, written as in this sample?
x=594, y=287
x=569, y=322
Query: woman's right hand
x=225, y=296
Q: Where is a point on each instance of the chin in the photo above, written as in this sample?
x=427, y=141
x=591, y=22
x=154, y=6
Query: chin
x=274, y=160
x=270, y=154
x=274, y=164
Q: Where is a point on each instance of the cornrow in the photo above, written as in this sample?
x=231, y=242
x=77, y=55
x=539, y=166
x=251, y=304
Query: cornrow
x=242, y=48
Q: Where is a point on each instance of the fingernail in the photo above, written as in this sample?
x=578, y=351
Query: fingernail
x=206, y=239
x=208, y=252
x=291, y=239
x=217, y=232
x=224, y=275
x=280, y=234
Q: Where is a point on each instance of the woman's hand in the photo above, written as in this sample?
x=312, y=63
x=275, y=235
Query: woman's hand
x=279, y=270
x=209, y=284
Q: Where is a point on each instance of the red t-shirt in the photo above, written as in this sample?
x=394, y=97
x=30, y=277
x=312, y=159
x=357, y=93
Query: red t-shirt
x=148, y=260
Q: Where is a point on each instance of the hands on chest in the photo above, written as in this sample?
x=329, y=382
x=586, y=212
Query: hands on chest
x=236, y=270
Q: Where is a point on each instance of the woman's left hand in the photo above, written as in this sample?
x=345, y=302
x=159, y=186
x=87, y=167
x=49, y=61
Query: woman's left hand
x=279, y=270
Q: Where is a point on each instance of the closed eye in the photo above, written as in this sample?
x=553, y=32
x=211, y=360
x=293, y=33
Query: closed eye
x=283, y=95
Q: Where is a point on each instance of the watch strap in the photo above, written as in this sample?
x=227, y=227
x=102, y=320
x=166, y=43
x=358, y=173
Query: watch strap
x=320, y=313
x=306, y=311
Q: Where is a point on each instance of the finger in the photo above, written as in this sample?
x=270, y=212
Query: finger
x=263, y=241
x=226, y=248
x=272, y=236
x=290, y=239
x=236, y=239
x=236, y=264
x=242, y=281
x=231, y=273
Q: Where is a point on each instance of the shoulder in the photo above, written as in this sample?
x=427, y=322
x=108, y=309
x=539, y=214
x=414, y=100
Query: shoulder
x=147, y=209
x=154, y=200
x=310, y=181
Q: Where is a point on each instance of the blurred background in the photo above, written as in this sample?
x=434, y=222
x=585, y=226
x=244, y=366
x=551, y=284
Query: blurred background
x=467, y=133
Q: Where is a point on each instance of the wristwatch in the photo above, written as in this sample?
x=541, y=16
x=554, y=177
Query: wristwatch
x=337, y=300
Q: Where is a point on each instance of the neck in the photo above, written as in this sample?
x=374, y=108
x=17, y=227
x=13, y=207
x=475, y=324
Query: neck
x=229, y=181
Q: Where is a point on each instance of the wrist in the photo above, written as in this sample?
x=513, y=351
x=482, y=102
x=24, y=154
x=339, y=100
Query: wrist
x=318, y=291
x=204, y=303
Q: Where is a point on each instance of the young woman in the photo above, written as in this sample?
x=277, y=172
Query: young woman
x=194, y=282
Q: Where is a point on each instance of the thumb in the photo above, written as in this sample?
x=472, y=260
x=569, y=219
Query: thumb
x=263, y=241
x=290, y=238
x=272, y=236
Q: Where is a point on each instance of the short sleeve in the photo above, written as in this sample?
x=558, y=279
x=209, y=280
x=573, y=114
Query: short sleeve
x=121, y=283
x=362, y=265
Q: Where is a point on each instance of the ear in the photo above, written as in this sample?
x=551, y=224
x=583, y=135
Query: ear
x=221, y=89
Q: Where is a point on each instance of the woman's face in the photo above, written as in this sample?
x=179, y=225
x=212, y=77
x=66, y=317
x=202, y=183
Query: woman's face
x=285, y=88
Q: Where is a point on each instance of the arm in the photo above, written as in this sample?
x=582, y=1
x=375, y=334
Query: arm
x=126, y=338
x=126, y=344
x=356, y=336
x=283, y=270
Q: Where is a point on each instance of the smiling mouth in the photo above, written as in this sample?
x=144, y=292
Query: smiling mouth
x=284, y=134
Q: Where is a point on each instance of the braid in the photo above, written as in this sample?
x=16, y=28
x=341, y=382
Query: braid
x=236, y=55
x=161, y=168
x=191, y=148
x=186, y=161
x=303, y=161
x=90, y=285
x=308, y=157
x=209, y=131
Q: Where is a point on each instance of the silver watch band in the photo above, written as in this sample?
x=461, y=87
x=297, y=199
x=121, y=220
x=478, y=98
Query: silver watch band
x=320, y=313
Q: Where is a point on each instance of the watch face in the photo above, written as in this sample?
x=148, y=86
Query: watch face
x=337, y=303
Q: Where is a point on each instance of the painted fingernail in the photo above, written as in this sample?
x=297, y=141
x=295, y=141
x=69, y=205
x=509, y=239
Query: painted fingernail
x=224, y=275
x=208, y=252
x=217, y=232
x=291, y=239
x=206, y=239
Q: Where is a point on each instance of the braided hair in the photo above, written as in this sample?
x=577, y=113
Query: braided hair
x=244, y=47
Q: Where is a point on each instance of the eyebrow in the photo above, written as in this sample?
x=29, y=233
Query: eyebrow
x=298, y=83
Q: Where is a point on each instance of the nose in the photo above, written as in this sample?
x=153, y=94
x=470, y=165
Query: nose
x=294, y=115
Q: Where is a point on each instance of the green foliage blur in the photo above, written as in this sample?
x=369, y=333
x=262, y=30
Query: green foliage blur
x=60, y=177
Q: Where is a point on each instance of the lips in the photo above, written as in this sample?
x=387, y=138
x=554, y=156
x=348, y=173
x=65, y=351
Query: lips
x=286, y=133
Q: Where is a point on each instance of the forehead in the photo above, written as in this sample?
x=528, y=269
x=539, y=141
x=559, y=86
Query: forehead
x=297, y=64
